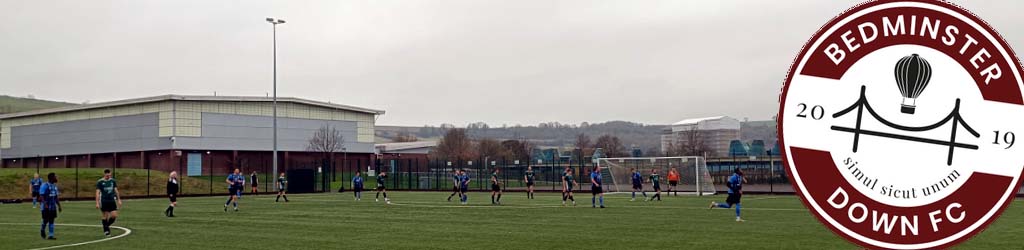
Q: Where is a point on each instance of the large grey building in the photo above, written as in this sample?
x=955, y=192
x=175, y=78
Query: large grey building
x=208, y=134
x=715, y=133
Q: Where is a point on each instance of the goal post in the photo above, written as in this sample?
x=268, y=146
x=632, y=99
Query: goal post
x=694, y=177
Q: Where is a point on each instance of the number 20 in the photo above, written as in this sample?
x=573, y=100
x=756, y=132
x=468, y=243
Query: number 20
x=817, y=112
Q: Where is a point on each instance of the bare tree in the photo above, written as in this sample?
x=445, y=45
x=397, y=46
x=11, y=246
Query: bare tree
x=611, y=146
x=692, y=142
x=491, y=148
x=518, y=150
x=326, y=141
x=455, y=146
x=582, y=141
x=583, y=146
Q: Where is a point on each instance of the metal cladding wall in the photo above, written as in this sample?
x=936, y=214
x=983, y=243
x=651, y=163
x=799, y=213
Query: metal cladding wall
x=245, y=132
x=90, y=136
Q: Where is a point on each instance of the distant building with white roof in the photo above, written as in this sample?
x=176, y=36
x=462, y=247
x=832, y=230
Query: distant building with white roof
x=716, y=132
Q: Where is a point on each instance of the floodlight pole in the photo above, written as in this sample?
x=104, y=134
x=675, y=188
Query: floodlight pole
x=274, y=23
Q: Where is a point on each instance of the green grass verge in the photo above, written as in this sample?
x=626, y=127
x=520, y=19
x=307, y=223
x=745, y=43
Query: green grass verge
x=424, y=220
x=14, y=182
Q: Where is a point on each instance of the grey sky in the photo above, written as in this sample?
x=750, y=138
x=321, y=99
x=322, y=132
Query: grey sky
x=432, y=62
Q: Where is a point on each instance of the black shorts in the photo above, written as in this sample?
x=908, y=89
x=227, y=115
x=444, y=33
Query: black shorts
x=495, y=188
x=638, y=186
x=673, y=183
x=172, y=197
x=657, y=188
x=108, y=206
x=381, y=187
x=464, y=189
x=529, y=183
x=596, y=190
x=455, y=188
x=569, y=188
x=733, y=199
x=358, y=188
x=49, y=215
x=254, y=185
x=34, y=194
x=233, y=190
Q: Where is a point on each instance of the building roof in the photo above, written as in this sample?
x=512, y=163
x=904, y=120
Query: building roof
x=397, y=146
x=190, y=98
x=759, y=123
x=698, y=120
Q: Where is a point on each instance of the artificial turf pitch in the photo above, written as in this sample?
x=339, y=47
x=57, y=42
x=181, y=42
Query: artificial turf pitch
x=424, y=220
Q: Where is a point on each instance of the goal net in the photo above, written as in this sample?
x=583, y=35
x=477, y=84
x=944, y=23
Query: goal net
x=694, y=177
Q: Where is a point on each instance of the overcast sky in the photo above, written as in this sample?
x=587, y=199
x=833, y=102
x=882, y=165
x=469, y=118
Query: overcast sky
x=431, y=62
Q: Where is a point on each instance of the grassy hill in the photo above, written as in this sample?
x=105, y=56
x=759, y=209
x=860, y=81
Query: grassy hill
x=130, y=182
x=552, y=134
x=10, y=104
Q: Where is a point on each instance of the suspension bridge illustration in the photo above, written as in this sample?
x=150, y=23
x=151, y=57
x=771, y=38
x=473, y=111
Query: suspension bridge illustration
x=954, y=118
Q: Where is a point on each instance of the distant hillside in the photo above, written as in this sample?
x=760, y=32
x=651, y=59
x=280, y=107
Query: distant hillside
x=546, y=134
x=10, y=104
x=645, y=136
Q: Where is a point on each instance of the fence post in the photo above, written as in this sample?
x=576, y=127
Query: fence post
x=211, y=177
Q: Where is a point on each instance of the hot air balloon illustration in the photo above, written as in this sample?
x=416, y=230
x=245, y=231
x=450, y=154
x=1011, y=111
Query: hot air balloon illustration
x=912, y=76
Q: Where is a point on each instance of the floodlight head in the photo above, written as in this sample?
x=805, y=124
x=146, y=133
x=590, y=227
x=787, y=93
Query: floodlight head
x=280, y=21
x=270, y=19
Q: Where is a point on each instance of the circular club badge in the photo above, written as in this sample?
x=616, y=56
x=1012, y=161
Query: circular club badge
x=898, y=124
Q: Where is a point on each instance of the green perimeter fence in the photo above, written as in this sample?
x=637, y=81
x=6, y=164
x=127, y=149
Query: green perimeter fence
x=764, y=175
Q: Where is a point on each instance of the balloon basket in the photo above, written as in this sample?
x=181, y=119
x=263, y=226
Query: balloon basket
x=907, y=109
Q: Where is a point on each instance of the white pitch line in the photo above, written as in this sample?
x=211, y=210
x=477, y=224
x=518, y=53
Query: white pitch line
x=126, y=233
x=431, y=205
x=762, y=198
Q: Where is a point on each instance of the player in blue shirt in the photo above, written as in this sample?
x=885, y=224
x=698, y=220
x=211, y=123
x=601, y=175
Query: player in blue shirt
x=33, y=188
x=236, y=182
x=735, y=184
x=49, y=204
x=357, y=186
x=595, y=186
x=464, y=186
x=455, y=185
x=638, y=184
